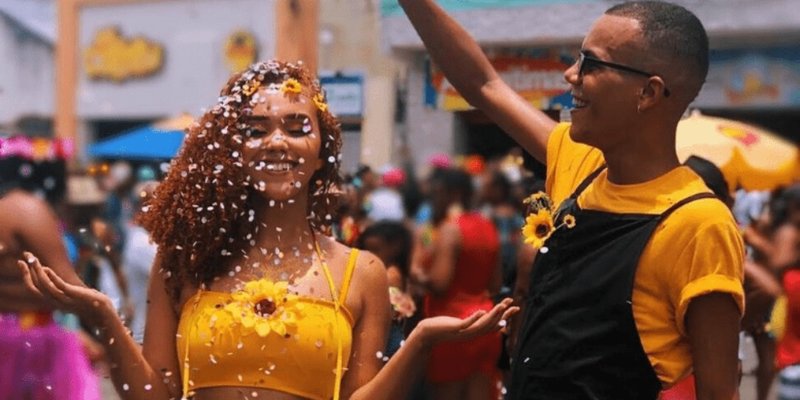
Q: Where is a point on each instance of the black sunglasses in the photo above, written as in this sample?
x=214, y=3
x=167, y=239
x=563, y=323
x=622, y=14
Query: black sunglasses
x=590, y=63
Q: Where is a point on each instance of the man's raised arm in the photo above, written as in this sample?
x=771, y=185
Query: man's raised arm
x=468, y=69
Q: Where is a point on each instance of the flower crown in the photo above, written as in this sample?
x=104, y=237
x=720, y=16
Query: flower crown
x=289, y=86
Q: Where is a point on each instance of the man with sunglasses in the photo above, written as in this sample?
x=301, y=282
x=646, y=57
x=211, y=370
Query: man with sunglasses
x=646, y=289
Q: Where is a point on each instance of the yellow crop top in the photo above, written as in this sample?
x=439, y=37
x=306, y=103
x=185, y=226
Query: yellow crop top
x=264, y=337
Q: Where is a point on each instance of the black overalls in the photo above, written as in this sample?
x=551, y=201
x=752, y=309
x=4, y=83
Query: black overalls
x=579, y=339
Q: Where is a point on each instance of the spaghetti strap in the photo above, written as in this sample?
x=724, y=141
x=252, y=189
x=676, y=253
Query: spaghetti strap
x=338, y=302
x=348, y=275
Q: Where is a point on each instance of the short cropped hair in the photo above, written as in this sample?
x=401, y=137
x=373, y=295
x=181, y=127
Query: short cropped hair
x=675, y=33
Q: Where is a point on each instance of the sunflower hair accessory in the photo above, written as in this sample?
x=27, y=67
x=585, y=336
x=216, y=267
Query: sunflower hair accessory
x=319, y=101
x=291, y=86
x=541, y=220
x=251, y=87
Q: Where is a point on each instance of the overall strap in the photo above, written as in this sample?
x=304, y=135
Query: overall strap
x=586, y=182
x=696, y=196
x=348, y=275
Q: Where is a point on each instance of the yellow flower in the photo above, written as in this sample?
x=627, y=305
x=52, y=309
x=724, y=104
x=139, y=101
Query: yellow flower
x=538, y=227
x=291, y=85
x=569, y=221
x=251, y=87
x=534, y=197
x=538, y=201
x=319, y=101
x=265, y=306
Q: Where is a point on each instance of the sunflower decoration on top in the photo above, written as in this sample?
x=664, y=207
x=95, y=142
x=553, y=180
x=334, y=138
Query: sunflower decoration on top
x=541, y=220
x=319, y=101
x=251, y=87
x=265, y=306
x=291, y=86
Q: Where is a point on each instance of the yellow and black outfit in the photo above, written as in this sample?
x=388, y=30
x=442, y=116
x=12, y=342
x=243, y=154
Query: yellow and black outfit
x=605, y=319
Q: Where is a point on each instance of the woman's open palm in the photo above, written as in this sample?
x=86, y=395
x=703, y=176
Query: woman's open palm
x=444, y=328
x=86, y=302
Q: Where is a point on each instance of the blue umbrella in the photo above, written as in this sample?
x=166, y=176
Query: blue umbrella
x=145, y=143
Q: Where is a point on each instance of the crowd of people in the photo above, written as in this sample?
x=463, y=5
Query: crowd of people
x=256, y=268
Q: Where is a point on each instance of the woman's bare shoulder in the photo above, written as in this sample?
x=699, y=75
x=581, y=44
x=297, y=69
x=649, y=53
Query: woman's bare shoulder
x=369, y=272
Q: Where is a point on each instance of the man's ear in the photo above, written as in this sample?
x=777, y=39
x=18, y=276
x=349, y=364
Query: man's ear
x=651, y=94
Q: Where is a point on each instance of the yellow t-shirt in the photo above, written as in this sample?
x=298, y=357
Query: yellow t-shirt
x=695, y=251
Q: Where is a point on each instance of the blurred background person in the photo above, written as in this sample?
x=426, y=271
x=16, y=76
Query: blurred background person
x=460, y=270
x=118, y=209
x=138, y=256
x=351, y=217
x=783, y=257
x=763, y=284
x=391, y=242
x=499, y=206
x=385, y=202
x=99, y=262
x=40, y=359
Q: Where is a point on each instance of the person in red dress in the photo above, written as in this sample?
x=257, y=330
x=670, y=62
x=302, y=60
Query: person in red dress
x=462, y=273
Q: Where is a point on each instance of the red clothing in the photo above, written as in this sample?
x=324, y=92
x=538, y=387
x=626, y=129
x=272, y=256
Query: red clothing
x=789, y=345
x=468, y=292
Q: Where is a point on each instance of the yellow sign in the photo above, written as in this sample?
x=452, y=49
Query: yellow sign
x=241, y=50
x=114, y=57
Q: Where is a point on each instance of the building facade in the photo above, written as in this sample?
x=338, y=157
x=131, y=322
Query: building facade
x=27, y=35
x=754, y=73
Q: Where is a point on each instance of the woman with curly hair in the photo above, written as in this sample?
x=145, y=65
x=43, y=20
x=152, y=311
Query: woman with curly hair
x=249, y=298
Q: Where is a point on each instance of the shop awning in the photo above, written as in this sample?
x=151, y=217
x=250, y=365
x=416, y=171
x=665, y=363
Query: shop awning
x=159, y=141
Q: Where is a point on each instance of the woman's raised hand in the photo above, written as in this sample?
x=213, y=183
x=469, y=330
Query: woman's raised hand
x=443, y=328
x=89, y=304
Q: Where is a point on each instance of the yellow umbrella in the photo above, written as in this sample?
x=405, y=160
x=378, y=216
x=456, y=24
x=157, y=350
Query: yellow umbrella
x=749, y=157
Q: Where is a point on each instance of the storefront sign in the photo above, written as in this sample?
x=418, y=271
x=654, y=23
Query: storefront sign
x=201, y=41
x=753, y=78
x=241, y=50
x=111, y=56
x=390, y=7
x=538, y=77
x=344, y=94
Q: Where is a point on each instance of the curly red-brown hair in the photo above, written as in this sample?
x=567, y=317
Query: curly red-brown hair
x=200, y=215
